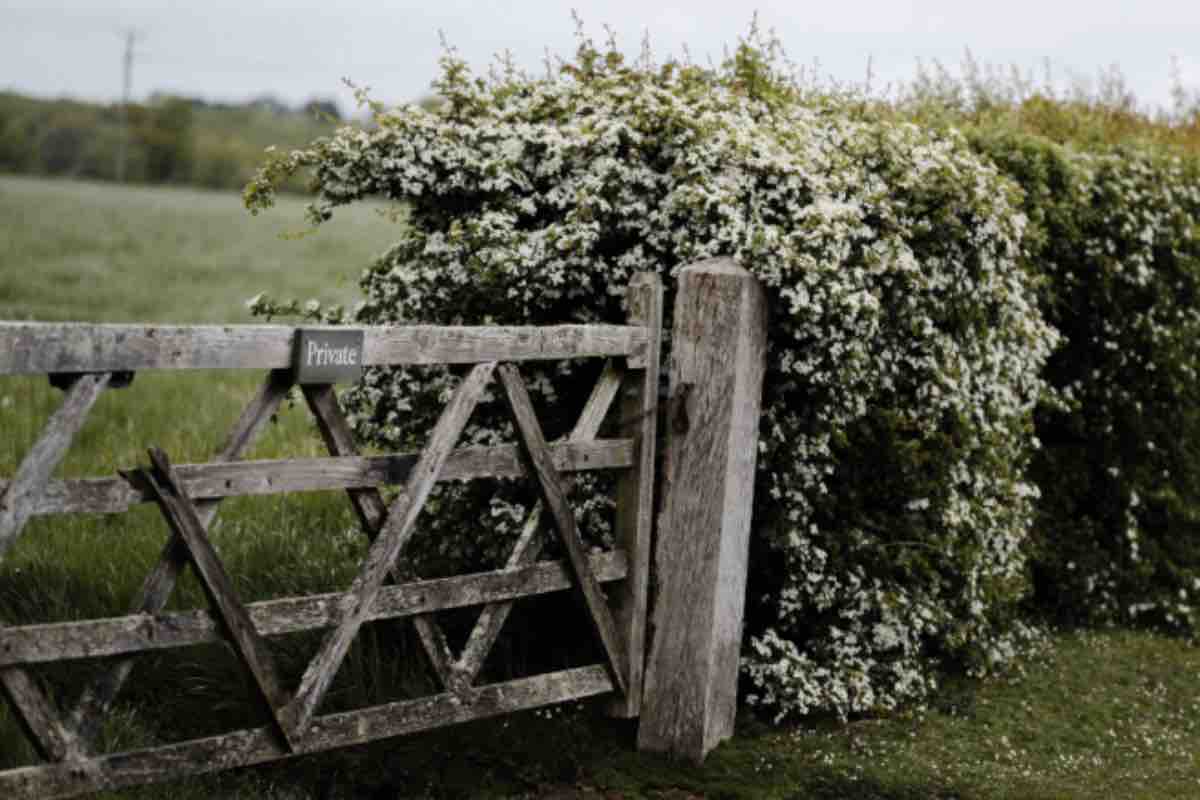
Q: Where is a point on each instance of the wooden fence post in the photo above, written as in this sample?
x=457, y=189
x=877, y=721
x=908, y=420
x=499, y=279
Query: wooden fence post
x=718, y=353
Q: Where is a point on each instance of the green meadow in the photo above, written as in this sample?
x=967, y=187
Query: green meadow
x=1111, y=713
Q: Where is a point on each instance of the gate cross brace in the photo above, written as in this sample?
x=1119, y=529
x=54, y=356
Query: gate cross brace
x=97, y=697
x=529, y=545
x=385, y=550
x=184, y=522
x=542, y=466
x=372, y=512
x=38, y=713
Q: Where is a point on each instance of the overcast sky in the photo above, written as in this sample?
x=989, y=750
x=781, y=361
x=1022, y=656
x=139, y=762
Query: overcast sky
x=238, y=49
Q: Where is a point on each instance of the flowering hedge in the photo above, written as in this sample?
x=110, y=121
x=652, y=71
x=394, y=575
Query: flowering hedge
x=1116, y=233
x=905, y=346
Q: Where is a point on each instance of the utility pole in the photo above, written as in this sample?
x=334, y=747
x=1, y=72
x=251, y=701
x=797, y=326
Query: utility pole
x=127, y=85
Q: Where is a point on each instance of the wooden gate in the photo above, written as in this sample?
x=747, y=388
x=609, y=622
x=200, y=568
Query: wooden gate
x=84, y=360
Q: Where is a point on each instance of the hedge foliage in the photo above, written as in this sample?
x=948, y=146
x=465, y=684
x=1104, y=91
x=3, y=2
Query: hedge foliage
x=1114, y=230
x=981, y=386
x=905, y=348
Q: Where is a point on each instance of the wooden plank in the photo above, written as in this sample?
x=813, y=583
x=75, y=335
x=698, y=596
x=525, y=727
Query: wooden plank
x=39, y=717
x=277, y=476
x=97, y=697
x=259, y=745
x=372, y=513
x=492, y=617
x=339, y=441
x=38, y=347
x=60, y=641
x=535, y=450
x=386, y=548
x=635, y=492
x=529, y=545
x=20, y=495
x=36, y=712
x=598, y=403
x=250, y=647
x=717, y=363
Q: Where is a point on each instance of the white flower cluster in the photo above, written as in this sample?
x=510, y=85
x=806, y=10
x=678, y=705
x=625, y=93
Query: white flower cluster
x=905, y=343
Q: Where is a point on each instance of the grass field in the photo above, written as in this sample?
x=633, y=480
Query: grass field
x=105, y=253
x=1102, y=714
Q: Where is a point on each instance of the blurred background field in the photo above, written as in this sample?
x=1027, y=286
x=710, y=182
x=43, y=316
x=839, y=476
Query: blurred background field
x=101, y=252
x=166, y=139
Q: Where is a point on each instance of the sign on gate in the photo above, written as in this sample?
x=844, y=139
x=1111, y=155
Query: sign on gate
x=328, y=356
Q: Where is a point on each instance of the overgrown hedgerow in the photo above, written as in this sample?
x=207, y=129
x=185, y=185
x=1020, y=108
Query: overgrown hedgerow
x=1115, y=232
x=905, y=344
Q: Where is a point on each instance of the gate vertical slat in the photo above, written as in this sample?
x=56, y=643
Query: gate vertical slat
x=635, y=488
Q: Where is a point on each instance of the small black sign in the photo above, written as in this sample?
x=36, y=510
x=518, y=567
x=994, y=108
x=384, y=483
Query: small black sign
x=328, y=356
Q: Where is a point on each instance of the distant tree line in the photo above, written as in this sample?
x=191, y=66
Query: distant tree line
x=166, y=140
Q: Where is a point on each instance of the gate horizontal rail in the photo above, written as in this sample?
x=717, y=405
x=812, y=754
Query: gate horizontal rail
x=85, y=360
x=280, y=476
x=259, y=745
x=112, y=636
x=51, y=347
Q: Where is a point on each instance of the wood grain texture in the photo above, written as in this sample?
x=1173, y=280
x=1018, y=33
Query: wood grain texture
x=216, y=480
x=114, y=636
x=39, y=717
x=529, y=544
x=260, y=745
x=491, y=618
x=595, y=410
x=397, y=530
x=37, y=347
x=535, y=450
x=21, y=494
x=250, y=647
x=371, y=510
x=635, y=491
x=97, y=697
x=717, y=364
x=36, y=712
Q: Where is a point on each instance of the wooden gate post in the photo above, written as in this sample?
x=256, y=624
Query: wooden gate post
x=718, y=354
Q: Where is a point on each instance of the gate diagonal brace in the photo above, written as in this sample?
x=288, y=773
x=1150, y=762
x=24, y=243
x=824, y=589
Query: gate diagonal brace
x=372, y=512
x=542, y=466
x=97, y=696
x=37, y=713
x=251, y=648
x=385, y=550
x=529, y=545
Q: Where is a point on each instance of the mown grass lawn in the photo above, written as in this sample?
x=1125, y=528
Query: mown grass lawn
x=1111, y=714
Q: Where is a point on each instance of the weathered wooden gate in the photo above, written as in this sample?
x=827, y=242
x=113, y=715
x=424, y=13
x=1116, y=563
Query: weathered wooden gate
x=84, y=360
